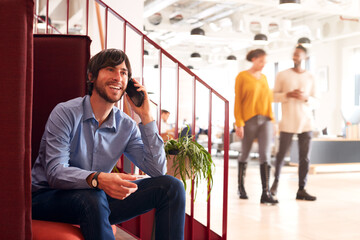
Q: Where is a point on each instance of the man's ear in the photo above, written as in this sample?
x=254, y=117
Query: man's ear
x=90, y=77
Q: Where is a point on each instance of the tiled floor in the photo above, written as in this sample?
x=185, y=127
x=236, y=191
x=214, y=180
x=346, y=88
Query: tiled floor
x=334, y=216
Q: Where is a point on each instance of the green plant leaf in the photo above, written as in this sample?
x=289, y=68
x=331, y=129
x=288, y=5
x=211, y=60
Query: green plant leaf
x=200, y=164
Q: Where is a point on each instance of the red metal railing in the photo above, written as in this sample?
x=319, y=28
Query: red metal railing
x=196, y=80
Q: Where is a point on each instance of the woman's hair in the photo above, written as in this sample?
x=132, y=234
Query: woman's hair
x=255, y=54
x=105, y=58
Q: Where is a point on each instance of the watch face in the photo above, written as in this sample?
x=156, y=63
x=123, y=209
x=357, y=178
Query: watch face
x=94, y=183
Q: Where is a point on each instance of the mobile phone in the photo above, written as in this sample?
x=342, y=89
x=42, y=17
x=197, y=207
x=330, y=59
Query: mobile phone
x=136, y=97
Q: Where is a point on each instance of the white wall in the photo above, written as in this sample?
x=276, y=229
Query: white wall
x=328, y=114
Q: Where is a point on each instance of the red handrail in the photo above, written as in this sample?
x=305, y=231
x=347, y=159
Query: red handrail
x=196, y=80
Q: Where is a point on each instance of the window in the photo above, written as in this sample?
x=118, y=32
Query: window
x=356, y=80
x=357, y=90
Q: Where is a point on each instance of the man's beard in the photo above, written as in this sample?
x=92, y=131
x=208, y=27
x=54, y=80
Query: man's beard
x=102, y=93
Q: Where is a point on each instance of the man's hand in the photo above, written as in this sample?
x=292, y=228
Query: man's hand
x=144, y=110
x=240, y=132
x=297, y=94
x=117, y=185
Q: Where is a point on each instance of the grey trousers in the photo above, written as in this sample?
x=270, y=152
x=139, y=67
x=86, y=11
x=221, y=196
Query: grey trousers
x=304, y=141
x=259, y=127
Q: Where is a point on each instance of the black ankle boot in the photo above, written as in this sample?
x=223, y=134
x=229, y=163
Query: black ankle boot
x=241, y=177
x=265, y=177
x=303, y=195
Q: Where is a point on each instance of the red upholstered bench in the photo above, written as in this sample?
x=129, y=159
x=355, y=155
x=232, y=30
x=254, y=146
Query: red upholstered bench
x=45, y=230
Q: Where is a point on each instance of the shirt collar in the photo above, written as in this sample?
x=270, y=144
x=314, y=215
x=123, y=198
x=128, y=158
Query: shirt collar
x=89, y=114
x=110, y=122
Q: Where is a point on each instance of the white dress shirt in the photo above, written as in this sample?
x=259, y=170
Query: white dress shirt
x=297, y=115
x=164, y=126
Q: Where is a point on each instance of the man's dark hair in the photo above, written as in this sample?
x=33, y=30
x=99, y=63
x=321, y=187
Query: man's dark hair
x=299, y=46
x=106, y=58
x=255, y=54
x=164, y=111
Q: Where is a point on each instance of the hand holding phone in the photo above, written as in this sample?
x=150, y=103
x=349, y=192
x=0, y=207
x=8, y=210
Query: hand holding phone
x=136, y=97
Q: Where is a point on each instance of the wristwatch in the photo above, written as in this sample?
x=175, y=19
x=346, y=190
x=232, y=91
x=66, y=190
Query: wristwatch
x=94, y=180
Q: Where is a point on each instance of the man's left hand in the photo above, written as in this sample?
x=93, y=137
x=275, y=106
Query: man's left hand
x=298, y=94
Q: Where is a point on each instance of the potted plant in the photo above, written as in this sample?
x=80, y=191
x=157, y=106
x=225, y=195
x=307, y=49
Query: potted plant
x=187, y=159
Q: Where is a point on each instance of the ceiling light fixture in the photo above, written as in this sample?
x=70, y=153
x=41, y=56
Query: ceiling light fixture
x=195, y=56
x=289, y=4
x=255, y=26
x=231, y=58
x=260, y=39
x=197, y=32
x=155, y=19
x=176, y=17
x=305, y=42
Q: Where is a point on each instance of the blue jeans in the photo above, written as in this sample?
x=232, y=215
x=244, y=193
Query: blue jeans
x=95, y=211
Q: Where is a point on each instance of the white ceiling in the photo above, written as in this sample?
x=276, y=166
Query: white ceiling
x=230, y=25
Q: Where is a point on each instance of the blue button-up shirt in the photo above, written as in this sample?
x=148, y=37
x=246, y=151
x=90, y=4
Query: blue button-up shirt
x=73, y=146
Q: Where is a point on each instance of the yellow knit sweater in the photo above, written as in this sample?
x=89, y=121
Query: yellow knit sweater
x=252, y=97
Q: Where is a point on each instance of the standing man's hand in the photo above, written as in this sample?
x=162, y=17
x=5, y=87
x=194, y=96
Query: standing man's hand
x=240, y=132
x=144, y=110
x=297, y=94
x=291, y=94
x=117, y=185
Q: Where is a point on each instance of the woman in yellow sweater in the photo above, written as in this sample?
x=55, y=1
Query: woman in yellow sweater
x=253, y=115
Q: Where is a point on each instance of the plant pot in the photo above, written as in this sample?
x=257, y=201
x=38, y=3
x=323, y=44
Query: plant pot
x=171, y=170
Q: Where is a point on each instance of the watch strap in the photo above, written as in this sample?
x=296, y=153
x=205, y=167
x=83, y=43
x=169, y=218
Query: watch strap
x=95, y=177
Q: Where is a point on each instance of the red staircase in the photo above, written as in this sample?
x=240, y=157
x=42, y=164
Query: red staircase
x=141, y=227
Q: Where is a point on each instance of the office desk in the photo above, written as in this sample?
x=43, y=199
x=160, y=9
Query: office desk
x=325, y=151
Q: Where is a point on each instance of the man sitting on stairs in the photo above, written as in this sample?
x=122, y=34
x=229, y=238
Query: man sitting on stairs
x=83, y=139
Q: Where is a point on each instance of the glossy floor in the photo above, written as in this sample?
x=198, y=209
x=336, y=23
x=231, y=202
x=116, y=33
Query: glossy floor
x=334, y=216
